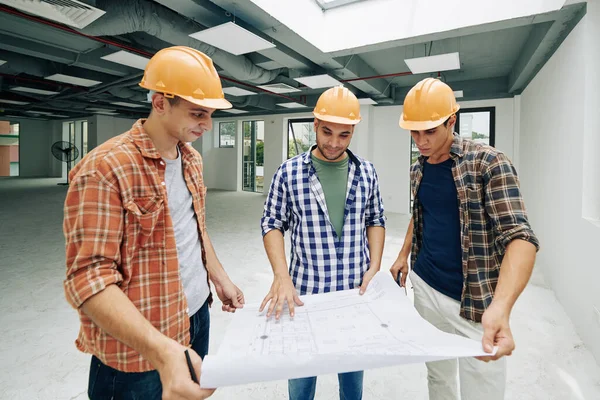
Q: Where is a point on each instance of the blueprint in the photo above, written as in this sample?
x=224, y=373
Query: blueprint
x=332, y=333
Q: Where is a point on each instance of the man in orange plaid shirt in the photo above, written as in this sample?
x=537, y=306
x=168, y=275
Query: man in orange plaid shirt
x=139, y=259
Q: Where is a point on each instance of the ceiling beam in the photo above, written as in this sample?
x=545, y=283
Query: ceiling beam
x=90, y=61
x=543, y=41
x=356, y=67
x=472, y=89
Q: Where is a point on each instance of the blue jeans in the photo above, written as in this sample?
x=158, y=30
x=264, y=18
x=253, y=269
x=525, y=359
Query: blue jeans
x=351, y=387
x=106, y=383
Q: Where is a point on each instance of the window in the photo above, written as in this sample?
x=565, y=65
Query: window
x=84, y=138
x=301, y=136
x=227, y=134
x=478, y=124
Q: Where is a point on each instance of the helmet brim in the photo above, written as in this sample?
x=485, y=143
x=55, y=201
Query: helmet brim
x=217, y=104
x=336, y=120
x=424, y=125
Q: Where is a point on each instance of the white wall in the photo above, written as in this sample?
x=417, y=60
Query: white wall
x=377, y=138
x=107, y=126
x=223, y=166
x=35, y=139
x=559, y=126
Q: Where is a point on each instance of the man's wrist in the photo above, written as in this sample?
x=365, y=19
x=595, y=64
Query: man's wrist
x=159, y=350
x=217, y=274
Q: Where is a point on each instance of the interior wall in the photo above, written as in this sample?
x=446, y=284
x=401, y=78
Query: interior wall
x=387, y=146
x=223, y=166
x=35, y=140
x=559, y=127
x=377, y=138
x=107, y=126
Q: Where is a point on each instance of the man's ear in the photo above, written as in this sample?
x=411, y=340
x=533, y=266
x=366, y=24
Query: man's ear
x=159, y=103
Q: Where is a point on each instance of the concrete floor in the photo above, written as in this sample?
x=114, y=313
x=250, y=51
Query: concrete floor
x=38, y=359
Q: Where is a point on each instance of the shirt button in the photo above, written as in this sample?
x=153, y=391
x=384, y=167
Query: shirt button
x=163, y=183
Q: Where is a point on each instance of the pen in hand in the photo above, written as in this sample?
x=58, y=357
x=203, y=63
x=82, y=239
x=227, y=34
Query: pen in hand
x=191, y=367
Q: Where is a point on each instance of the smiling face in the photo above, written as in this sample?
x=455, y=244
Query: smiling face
x=332, y=140
x=182, y=120
x=436, y=142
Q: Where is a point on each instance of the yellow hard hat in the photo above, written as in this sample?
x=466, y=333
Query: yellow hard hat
x=187, y=73
x=428, y=105
x=338, y=105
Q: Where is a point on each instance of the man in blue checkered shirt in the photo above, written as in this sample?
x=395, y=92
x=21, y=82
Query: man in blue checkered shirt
x=330, y=201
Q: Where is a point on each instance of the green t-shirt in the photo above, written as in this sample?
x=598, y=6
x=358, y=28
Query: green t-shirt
x=334, y=180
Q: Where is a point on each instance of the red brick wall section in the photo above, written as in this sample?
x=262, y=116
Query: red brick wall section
x=14, y=153
x=5, y=160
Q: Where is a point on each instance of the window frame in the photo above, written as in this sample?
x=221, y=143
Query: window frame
x=221, y=146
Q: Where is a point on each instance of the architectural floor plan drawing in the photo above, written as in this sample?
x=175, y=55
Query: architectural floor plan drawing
x=332, y=333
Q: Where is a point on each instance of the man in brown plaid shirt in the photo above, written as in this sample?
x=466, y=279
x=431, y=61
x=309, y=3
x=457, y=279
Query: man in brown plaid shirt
x=138, y=256
x=472, y=248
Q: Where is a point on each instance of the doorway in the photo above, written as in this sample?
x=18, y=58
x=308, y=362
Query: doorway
x=253, y=156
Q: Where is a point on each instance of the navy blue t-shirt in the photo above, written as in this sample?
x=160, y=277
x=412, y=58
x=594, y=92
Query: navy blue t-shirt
x=439, y=262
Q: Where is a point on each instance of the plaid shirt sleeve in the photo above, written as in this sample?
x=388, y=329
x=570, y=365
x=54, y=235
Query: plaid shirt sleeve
x=504, y=204
x=374, y=215
x=93, y=227
x=276, y=212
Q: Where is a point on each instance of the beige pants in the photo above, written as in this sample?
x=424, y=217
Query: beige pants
x=478, y=380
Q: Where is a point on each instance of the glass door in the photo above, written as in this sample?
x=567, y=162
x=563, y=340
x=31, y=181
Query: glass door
x=253, y=156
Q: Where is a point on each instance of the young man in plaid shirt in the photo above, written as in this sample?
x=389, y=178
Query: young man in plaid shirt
x=330, y=201
x=472, y=249
x=139, y=258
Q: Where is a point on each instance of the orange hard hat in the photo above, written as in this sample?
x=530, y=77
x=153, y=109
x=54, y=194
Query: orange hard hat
x=428, y=105
x=338, y=105
x=187, y=73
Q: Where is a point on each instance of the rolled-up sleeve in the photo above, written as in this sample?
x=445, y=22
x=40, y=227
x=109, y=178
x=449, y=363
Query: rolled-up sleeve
x=504, y=204
x=276, y=213
x=374, y=215
x=93, y=229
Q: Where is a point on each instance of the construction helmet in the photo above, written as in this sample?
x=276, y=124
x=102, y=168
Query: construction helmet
x=428, y=105
x=338, y=105
x=187, y=73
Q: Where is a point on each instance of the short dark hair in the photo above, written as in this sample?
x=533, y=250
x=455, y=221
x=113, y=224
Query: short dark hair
x=173, y=101
x=446, y=121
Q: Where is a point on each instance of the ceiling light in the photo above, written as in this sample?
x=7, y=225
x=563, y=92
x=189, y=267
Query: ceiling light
x=99, y=109
x=2, y=62
x=279, y=88
x=107, y=113
x=234, y=111
x=127, y=58
x=124, y=104
x=292, y=105
x=73, y=80
x=32, y=90
x=60, y=116
x=458, y=93
x=318, y=81
x=367, y=100
x=232, y=38
x=14, y=102
x=440, y=62
x=236, y=91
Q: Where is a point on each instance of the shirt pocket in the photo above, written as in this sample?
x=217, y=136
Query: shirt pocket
x=475, y=195
x=146, y=221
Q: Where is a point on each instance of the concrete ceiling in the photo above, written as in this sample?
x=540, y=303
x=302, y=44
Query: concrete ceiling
x=497, y=60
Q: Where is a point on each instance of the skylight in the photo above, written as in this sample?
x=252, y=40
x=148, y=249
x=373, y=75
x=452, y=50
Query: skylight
x=329, y=4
